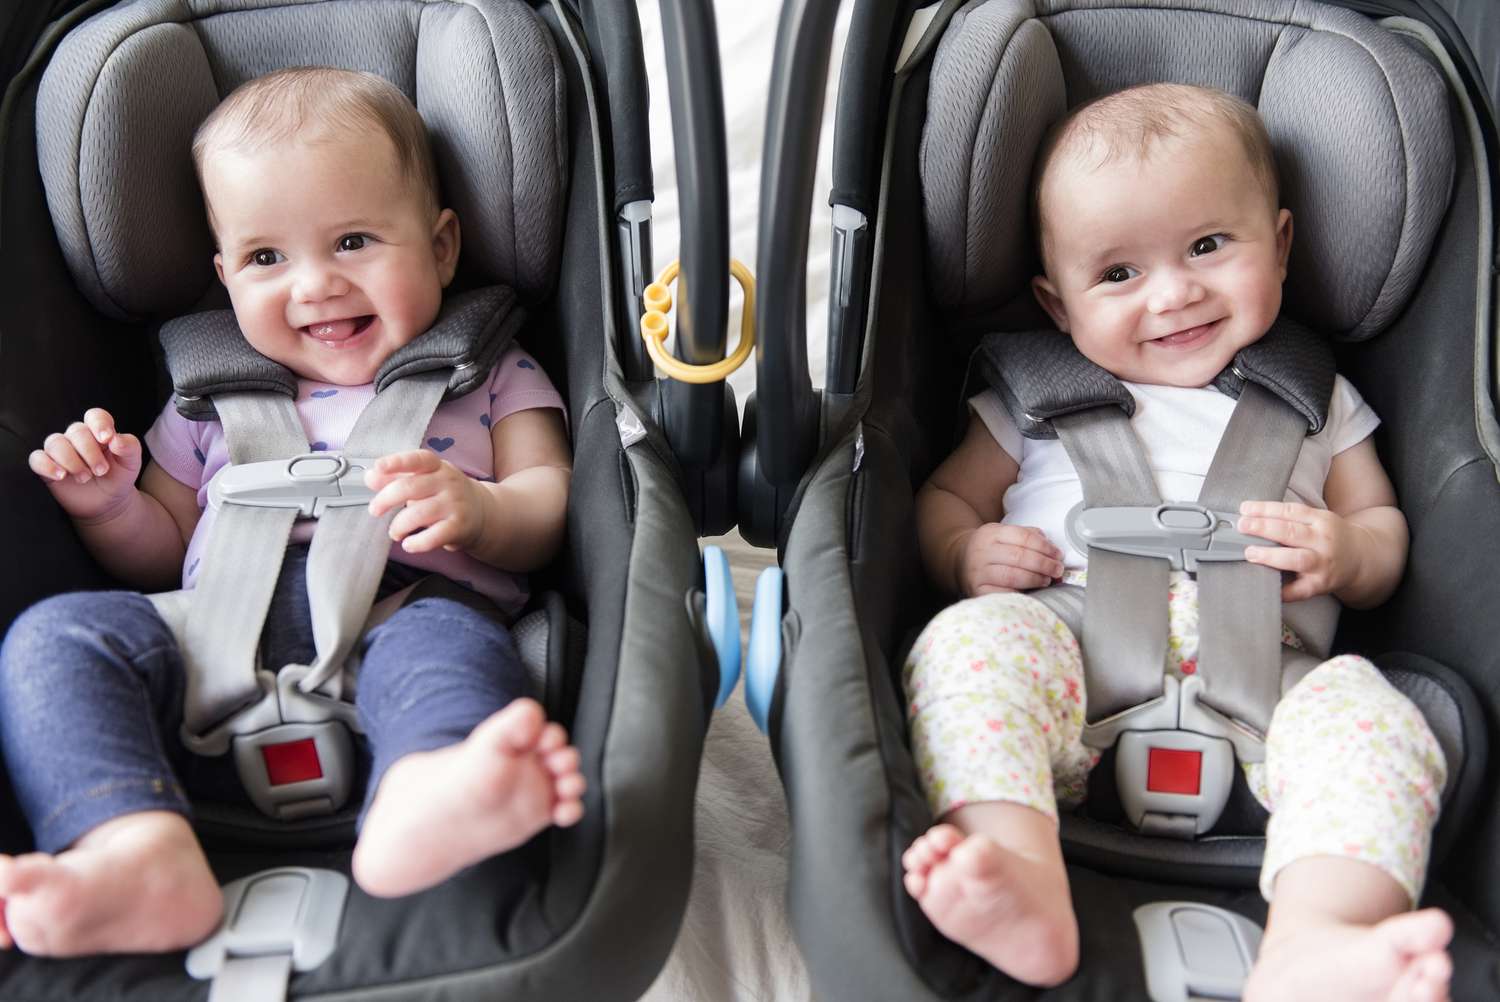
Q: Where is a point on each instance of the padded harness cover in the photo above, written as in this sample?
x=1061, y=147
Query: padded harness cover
x=206, y=352
x=1040, y=375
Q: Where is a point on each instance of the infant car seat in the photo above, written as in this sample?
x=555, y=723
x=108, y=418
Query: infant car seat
x=1392, y=258
x=514, y=96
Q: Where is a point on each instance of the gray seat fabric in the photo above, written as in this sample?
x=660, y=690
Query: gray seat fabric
x=125, y=90
x=1359, y=121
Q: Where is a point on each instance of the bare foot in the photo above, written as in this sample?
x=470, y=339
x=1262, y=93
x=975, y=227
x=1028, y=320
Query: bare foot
x=1012, y=910
x=135, y=884
x=1401, y=959
x=437, y=812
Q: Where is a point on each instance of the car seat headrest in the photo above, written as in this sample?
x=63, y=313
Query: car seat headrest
x=1359, y=121
x=122, y=95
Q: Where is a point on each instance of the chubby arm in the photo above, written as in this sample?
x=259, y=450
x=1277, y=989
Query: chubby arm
x=964, y=547
x=1356, y=549
x=138, y=532
x=515, y=524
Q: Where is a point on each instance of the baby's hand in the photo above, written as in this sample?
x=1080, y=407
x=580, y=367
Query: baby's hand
x=998, y=557
x=1320, y=547
x=443, y=504
x=90, y=468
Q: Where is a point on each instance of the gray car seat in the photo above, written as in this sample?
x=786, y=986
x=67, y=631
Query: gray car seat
x=1386, y=156
x=105, y=240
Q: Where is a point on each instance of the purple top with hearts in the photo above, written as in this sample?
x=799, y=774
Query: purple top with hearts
x=193, y=451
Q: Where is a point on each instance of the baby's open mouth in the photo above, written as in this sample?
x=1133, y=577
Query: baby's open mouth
x=334, y=331
x=1186, y=336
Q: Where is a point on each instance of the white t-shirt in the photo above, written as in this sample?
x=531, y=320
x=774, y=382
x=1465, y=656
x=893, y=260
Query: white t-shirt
x=1180, y=428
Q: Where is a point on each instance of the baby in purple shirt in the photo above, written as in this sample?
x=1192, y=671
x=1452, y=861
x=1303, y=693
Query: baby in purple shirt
x=323, y=198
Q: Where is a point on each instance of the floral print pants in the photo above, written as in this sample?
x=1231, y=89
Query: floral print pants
x=995, y=700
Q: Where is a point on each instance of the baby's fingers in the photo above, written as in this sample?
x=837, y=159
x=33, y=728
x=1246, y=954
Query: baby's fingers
x=60, y=449
x=388, y=467
x=44, y=466
x=87, y=445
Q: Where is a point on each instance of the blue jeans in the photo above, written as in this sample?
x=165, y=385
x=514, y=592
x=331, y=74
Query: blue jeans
x=91, y=698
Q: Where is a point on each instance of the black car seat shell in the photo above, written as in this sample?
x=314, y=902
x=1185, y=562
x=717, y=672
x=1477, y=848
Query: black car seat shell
x=952, y=264
x=113, y=243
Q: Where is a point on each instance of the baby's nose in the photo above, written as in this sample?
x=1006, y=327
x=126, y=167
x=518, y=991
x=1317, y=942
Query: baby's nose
x=1173, y=291
x=317, y=282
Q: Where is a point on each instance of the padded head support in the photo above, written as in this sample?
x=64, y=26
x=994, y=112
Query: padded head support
x=122, y=95
x=1358, y=118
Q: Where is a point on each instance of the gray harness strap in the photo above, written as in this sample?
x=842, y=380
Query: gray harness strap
x=1239, y=603
x=224, y=614
x=1240, y=655
x=349, y=548
x=227, y=609
x=1124, y=638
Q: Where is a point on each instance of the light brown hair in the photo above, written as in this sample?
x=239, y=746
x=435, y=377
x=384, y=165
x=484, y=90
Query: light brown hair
x=287, y=104
x=1130, y=122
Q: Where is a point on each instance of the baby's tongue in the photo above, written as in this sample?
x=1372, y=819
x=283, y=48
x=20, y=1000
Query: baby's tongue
x=332, y=330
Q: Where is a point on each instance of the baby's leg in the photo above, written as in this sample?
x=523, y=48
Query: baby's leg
x=994, y=687
x=456, y=778
x=1354, y=778
x=88, y=685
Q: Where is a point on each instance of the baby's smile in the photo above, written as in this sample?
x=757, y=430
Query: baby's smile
x=1188, y=337
x=339, y=333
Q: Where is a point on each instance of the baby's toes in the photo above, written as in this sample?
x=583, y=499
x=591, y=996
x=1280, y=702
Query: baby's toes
x=944, y=838
x=562, y=761
x=554, y=736
x=515, y=729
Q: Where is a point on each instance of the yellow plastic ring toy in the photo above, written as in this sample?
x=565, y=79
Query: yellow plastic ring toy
x=654, y=328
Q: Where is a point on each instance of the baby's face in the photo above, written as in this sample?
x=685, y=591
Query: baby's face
x=1162, y=269
x=332, y=258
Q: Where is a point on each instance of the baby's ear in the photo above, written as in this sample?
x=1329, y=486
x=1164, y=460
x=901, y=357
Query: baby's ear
x=1046, y=294
x=1283, y=239
x=445, y=244
x=219, y=267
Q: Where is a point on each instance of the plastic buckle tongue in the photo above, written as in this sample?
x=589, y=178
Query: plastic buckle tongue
x=1183, y=533
x=311, y=482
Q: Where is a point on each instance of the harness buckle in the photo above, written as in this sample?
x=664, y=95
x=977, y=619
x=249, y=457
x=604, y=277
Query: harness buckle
x=1183, y=533
x=1173, y=782
x=311, y=482
x=296, y=770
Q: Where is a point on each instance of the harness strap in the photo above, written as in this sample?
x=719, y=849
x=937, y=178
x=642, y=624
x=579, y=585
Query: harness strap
x=1124, y=635
x=349, y=549
x=219, y=635
x=226, y=611
x=1239, y=603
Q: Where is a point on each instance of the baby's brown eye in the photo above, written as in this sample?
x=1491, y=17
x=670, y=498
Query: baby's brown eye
x=1207, y=245
x=351, y=242
x=1117, y=275
x=264, y=258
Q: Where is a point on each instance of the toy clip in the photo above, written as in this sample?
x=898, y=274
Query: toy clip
x=654, y=328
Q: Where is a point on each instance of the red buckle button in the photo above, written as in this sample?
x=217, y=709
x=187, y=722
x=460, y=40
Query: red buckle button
x=1173, y=770
x=293, y=762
